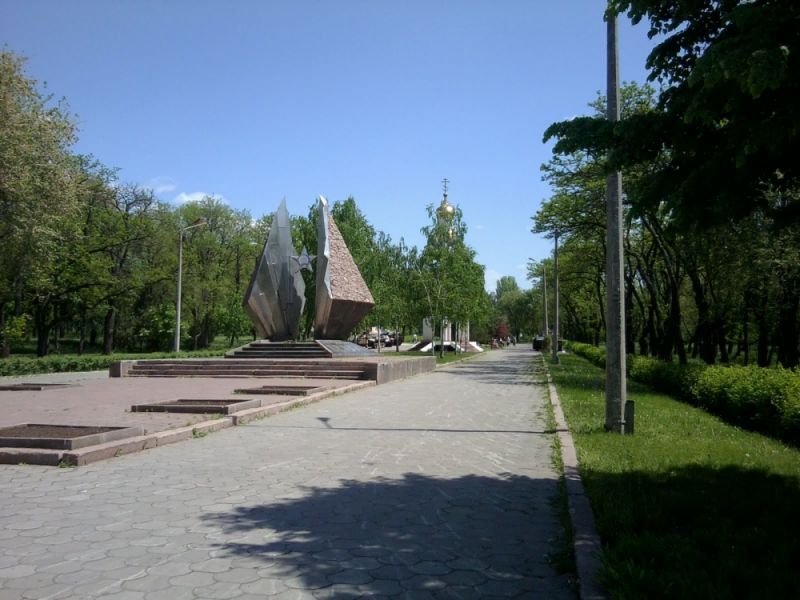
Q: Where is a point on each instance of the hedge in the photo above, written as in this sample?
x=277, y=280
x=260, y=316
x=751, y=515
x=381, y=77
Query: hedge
x=70, y=363
x=757, y=398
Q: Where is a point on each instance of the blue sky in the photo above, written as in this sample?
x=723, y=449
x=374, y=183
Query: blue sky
x=259, y=100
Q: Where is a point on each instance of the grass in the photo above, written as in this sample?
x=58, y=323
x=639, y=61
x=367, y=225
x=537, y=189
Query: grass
x=688, y=507
x=449, y=357
x=563, y=558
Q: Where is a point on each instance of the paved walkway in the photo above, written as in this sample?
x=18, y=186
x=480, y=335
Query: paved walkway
x=437, y=486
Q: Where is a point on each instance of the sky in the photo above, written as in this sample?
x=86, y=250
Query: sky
x=258, y=100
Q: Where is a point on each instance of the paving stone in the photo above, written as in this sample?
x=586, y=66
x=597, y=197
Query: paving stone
x=430, y=568
x=193, y=580
x=219, y=590
x=506, y=589
x=172, y=593
x=350, y=576
x=212, y=565
x=170, y=569
x=148, y=583
x=125, y=595
x=264, y=587
x=424, y=583
x=17, y=571
x=428, y=501
x=381, y=587
x=41, y=593
x=237, y=575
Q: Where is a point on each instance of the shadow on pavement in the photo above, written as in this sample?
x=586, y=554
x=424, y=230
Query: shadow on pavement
x=474, y=535
x=515, y=368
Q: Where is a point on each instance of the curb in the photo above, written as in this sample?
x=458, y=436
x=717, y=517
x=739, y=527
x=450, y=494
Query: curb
x=104, y=451
x=586, y=541
x=251, y=414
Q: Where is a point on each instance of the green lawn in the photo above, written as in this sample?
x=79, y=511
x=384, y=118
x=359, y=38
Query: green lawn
x=448, y=357
x=688, y=507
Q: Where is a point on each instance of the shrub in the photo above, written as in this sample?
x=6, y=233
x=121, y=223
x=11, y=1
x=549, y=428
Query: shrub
x=668, y=377
x=71, y=363
x=763, y=399
x=593, y=354
x=754, y=397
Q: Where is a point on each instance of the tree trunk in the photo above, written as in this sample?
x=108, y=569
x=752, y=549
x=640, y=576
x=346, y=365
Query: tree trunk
x=746, y=336
x=108, y=330
x=705, y=331
x=42, y=324
x=5, y=346
x=82, y=339
x=787, y=330
x=724, y=354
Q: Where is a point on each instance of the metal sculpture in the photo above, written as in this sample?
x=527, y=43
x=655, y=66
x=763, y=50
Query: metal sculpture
x=275, y=298
x=343, y=298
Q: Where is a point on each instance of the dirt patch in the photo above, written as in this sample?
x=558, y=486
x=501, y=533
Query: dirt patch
x=283, y=390
x=61, y=432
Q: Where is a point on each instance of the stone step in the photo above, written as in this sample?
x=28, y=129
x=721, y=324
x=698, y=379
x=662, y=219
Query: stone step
x=229, y=375
x=244, y=369
x=251, y=354
x=278, y=366
x=278, y=350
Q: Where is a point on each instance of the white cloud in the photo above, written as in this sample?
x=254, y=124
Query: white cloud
x=480, y=227
x=522, y=267
x=490, y=278
x=162, y=185
x=184, y=197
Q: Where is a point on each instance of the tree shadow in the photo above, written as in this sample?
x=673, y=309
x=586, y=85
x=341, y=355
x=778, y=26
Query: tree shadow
x=432, y=537
x=512, y=369
x=698, y=532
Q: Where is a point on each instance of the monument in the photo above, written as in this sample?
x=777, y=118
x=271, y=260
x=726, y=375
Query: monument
x=343, y=298
x=275, y=298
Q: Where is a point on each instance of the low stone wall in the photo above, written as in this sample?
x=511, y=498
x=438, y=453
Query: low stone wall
x=400, y=368
x=120, y=368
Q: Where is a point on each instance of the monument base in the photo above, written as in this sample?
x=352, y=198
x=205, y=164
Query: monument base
x=300, y=350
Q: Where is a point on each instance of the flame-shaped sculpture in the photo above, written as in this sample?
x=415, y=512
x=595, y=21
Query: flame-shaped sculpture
x=275, y=298
x=343, y=298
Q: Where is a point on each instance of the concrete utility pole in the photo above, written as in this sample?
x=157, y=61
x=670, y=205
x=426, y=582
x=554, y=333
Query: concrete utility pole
x=544, y=297
x=176, y=346
x=556, y=328
x=616, y=390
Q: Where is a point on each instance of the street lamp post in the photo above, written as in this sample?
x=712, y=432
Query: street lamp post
x=556, y=327
x=199, y=223
x=544, y=299
x=616, y=391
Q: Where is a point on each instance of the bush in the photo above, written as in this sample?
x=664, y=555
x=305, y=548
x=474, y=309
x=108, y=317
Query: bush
x=754, y=397
x=593, y=354
x=667, y=377
x=758, y=398
x=71, y=363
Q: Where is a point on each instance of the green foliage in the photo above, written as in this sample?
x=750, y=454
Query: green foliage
x=15, y=366
x=753, y=397
x=87, y=256
x=593, y=354
x=757, y=398
x=689, y=506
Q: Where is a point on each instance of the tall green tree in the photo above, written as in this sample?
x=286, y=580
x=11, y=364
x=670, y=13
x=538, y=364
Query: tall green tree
x=37, y=186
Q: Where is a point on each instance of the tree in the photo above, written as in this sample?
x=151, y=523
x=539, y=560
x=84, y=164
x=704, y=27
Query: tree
x=726, y=117
x=37, y=178
x=453, y=282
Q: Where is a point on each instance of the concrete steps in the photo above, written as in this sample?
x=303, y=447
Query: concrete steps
x=249, y=368
x=298, y=350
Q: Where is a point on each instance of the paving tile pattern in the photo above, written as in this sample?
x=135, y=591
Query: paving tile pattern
x=434, y=487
